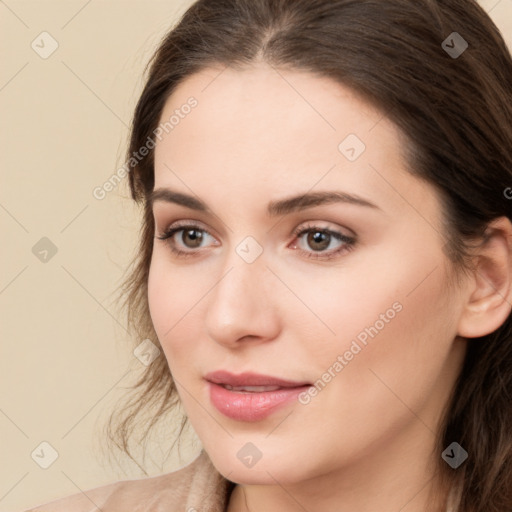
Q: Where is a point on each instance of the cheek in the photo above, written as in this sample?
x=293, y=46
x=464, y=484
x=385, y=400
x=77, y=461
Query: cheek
x=169, y=297
x=366, y=293
x=177, y=301
x=395, y=352
x=393, y=319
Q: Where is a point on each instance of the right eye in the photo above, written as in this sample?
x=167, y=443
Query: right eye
x=184, y=239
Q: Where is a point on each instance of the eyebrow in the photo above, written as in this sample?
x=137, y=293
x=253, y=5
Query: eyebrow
x=275, y=208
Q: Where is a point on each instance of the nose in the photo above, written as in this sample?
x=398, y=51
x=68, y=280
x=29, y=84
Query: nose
x=241, y=306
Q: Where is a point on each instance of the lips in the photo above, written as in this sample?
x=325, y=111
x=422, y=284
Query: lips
x=250, y=396
x=250, y=389
x=249, y=379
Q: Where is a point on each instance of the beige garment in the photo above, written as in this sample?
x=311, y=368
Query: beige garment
x=197, y=487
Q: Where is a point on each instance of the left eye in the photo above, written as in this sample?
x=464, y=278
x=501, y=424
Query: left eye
x=320, y=240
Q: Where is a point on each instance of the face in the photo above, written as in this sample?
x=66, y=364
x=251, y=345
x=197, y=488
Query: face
x=341, y=294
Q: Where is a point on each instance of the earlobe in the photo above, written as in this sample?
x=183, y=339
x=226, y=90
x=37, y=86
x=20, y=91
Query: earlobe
x=489, y=300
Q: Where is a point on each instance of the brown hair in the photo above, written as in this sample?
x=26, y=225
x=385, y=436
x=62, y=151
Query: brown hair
x=456, y=112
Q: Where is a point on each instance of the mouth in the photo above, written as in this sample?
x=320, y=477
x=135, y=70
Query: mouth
x=250, y=389
x=250, y=396
x=250, y=379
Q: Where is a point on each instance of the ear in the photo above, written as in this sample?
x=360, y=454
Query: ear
x=490, y=295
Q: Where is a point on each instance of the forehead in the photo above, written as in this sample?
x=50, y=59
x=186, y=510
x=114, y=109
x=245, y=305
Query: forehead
x=285, y=129
x=264, y=105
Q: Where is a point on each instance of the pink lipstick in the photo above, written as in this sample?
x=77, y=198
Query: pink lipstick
x=250, y=396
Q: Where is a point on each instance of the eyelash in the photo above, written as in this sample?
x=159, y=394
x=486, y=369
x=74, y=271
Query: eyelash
x=348, y=242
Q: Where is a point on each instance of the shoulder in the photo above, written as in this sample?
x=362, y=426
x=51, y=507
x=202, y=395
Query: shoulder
x=192, y=486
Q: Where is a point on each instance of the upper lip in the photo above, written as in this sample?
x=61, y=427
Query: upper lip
x=250, y=379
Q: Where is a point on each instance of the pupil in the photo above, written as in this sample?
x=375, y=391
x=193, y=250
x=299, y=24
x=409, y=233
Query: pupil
x=319, y=238
x=194, y=235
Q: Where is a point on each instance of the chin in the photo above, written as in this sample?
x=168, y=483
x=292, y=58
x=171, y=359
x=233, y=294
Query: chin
x=265, y=471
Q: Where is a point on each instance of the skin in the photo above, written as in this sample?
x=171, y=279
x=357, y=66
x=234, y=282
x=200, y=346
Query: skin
x=366, y=441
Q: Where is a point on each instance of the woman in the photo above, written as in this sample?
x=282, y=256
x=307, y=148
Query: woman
x=326, y=258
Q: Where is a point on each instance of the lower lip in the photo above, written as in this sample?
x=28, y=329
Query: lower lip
x=249, y=406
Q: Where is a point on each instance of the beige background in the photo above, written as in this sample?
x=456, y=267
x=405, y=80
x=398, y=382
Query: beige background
x=64, y=357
